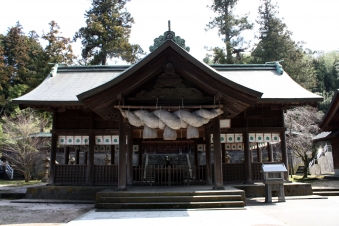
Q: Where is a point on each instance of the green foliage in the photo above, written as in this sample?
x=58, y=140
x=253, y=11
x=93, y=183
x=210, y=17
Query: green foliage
x=20, y=146
x=327, y=71
x=275, y=44
x=58, y=49
x=107, y=31
x=229, y=26
x=24, y=63
x=325, y=104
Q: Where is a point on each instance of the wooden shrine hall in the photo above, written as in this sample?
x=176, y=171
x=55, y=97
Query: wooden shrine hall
x=176, y=115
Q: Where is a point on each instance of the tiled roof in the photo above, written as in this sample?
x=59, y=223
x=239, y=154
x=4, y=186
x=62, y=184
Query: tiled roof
x=275, y=87
x=68, y=82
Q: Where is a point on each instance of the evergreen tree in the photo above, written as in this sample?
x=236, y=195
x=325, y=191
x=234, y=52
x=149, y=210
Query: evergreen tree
x=275, y=44
x=15, y=53
x=3, y=75
x=107, y=33
x=59, y=48
x=229, y=26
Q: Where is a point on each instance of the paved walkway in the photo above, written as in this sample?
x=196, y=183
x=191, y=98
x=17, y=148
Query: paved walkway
x=295, y=211
x=176, y=218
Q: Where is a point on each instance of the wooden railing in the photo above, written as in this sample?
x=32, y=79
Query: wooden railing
x=176, y=175
x=257, y=175
x=233, y=172
x=154, y=175
x=76, y=174
x=105, y=175
x=70, y=174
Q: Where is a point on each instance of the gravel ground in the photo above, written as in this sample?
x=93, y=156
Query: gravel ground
x=324, y=183
x=40, y=214
x=34, y=214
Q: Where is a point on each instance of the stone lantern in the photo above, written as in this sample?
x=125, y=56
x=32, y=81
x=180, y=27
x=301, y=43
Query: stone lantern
x=46, y=168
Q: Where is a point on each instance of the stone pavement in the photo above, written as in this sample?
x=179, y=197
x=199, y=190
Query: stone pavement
x=176, y=218
x=295, y=211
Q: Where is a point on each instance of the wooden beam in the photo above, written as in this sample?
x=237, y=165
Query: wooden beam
x=169, y=107
x=85, y=131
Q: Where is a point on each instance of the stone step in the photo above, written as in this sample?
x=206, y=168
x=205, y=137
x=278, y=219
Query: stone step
x=325, y=189
x=326, y=193
x=152, y=199
x=171, y=205
x=114, y=193
x=111, y=199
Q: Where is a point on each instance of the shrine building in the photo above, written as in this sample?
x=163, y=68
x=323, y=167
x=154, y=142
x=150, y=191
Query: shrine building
x=167, y=120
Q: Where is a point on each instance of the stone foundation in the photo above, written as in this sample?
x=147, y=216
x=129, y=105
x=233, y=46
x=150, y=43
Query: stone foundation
x=291, y=189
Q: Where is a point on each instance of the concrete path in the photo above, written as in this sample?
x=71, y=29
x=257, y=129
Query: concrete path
x=294, y=212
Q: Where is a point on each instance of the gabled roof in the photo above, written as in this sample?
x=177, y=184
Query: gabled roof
x=251, y=83
x=152, y=56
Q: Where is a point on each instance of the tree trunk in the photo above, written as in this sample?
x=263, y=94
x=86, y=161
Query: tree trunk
x=229, y=59
x=27, y=176
x=305, y=167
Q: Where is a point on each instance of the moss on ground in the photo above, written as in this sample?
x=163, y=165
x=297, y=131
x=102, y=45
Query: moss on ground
x=18, y=182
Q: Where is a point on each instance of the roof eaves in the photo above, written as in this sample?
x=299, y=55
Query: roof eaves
x=46, y=102
x=115, y=68
x=169, y=43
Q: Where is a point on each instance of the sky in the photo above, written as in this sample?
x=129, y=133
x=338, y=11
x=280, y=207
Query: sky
x=311, y=21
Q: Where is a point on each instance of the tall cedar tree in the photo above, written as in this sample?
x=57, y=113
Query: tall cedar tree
x=229, y=27
x=275, y=44
x=3, y=75
x=24, y=63
x=107, y=33
x=16, y=55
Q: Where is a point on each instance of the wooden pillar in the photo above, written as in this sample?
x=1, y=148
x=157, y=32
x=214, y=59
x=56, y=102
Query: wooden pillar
x=248, y=164
x=208, y=157
x=259, y=153
x=284, y=151
x=53, y=159
x=85, y=157
x=90, y=162
x=77, y=153
x=66, y=155
x=270, y=152
x=141, y=150
x=196, y=157
x=122, y=155
x=112, y=155
x=218, y=178
x=129, y=157
x=223, y=153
